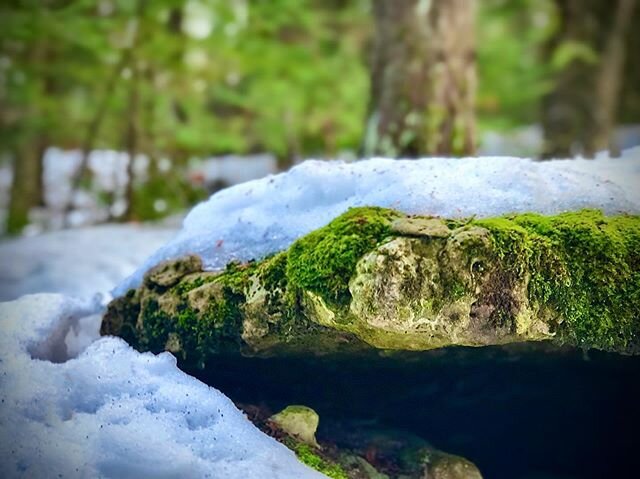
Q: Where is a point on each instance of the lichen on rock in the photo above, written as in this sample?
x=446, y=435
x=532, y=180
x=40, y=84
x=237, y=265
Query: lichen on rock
x=374, y=277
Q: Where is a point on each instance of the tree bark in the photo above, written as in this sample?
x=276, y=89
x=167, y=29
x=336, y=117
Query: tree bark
x=131, y=139
x=579, y=114
x=27, y=188
x=93, y=129
x=609, y=82
x=25, y=194
x=423, y=79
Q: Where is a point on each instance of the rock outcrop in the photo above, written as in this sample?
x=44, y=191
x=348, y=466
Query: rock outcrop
x=376, y=278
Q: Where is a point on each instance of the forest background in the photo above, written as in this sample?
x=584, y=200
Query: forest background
x=173, y=83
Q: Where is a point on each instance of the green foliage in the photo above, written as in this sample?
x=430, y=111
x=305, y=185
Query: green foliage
x=324, y=261
x=513, y=75
x=570, y=51
x=286, y=76
x=261, y=75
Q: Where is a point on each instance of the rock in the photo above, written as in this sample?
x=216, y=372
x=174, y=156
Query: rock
x=298, y=421
x=168, y=273
x=440, y=465
x=374, y=278
x=420, y=227
x=356, y=451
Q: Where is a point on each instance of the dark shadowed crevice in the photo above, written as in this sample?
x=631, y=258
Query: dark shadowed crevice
x=519, y=412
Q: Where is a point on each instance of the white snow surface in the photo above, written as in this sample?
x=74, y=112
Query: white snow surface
x=77, y=262
x=75, y=405
x=260, y=217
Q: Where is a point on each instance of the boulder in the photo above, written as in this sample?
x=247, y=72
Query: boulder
x=376, y=278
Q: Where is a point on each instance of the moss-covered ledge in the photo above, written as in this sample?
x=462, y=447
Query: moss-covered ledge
x=374, y=277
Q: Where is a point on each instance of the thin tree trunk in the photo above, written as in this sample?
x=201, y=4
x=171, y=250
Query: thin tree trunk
x=578, y=115
x=27, y=188
x=131, y=140
x=132, y=133
x=609, y=83
x=94, y=128
x=24, y=187
x=423, y=78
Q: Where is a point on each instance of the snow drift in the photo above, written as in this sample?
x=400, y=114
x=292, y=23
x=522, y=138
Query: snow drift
x=78, y=262
x=108, y=411
x=254, y=219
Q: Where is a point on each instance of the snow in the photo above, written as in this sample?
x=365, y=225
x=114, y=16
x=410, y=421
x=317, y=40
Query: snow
x=75, y=405
x=529, y=140
x=108, y=170
x=79, y=262
x=260, y=217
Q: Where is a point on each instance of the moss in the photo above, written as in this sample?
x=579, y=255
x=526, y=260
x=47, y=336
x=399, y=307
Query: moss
x=324, y=261
x=201, y=333
x=583, y=266
x=513, y=278
x=272, y=272
x=307, y=456
x=156, y=325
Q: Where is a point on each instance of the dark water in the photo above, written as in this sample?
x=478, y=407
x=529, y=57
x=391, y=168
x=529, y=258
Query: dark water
x=518, y=412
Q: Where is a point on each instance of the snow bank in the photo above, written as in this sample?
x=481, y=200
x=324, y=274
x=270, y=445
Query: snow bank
x=72, y=405
x=260, y=217
x=78, y=262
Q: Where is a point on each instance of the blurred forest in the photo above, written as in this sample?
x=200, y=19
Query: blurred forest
x=173, y=82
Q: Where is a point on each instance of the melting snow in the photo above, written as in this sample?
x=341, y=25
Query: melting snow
x=73, y=405
x=78, y=262
x=263, y=216
x=76, y=405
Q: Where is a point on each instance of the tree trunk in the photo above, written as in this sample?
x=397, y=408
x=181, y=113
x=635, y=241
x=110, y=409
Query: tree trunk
x=579, y=114
x=609, y=82
x=27, y=188
x=423, y=79
x=94, y=127
x=25, y=194
x=131, y=139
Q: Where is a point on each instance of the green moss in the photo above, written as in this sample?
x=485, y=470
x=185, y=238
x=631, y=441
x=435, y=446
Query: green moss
x=156, y=326
x=185, y=286
x=582, y=265
x=236, y=276
x=272, y=272
x=576, y=275
x=216, y=329
x=307, y=456
x=324, y=261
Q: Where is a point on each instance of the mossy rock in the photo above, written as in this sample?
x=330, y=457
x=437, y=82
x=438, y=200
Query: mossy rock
x=375, y=278
x=352, y=452
x=298, y=421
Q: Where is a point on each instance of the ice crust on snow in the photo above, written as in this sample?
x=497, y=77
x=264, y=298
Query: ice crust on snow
x=76, y=405
x=78, y=262
x=260, y=217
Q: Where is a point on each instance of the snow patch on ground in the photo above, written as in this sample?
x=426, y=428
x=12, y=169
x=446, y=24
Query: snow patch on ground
x=260, y=217
x=77, y=262
x=232, y=169
x=76, y=405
